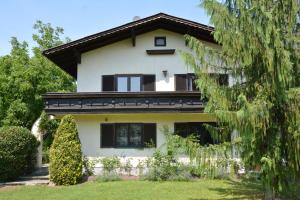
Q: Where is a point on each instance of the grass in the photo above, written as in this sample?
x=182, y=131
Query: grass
x=195, y=190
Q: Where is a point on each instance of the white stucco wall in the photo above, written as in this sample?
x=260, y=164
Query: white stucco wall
x=90, y=132
x=123, y=58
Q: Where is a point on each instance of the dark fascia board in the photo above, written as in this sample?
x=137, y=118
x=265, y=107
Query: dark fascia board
x=67, y=55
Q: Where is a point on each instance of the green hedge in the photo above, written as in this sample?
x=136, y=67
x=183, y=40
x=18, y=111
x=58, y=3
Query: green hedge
x=65, y=154
x=18, y=148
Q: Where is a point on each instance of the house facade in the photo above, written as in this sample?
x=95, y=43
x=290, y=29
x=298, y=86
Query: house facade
x=132, y=85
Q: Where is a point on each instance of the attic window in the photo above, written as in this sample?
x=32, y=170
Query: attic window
x=160, y=41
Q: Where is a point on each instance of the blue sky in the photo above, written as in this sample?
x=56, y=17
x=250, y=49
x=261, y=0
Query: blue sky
x=80, y=18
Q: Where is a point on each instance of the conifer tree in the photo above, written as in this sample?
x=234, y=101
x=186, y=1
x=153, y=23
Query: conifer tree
x=65, y=154
x=260, y=50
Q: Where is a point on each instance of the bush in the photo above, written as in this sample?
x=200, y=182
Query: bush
x=127, y=167
x=141, y=167
x=164, y=167
x=18, y=148
x=110, y=164
x=88, y=166
x=65, y=154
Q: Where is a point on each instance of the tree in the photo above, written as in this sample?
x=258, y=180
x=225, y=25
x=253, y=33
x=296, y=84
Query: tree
x=23, y=79
x=65, y=154
x=260, y=51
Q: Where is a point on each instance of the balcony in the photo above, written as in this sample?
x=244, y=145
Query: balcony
x=119, y=102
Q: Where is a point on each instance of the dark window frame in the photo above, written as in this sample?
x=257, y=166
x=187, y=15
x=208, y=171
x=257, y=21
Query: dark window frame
x=143, y=142
x=159, y=38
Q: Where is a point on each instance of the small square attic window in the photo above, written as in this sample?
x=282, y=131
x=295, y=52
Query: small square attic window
x=160, y=41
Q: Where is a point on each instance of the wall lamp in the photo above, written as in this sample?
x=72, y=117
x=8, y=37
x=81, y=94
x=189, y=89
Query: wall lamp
x=165, y=73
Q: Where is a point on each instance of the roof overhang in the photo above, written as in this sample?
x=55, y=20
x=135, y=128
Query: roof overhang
x=68, y=55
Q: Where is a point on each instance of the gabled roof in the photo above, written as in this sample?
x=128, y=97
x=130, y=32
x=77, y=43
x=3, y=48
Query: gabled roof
x=67, y=56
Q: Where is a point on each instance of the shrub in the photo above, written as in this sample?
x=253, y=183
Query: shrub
x=163, y=166
x=127, y=167
x=141, y=167
x=65, y=154
x=160, y=167
x=88, y=166
x=110, y=164
x=18, y=149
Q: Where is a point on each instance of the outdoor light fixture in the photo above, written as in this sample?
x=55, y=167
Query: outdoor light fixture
x=165, y=73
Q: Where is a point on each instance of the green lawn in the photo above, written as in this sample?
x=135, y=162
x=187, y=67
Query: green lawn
x=203, y=189
x=196, y=190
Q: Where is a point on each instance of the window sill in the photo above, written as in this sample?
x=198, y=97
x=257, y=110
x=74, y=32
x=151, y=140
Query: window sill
x=160, y=51
x=136, y=148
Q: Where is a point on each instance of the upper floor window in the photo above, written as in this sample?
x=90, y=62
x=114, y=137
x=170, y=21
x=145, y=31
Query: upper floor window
x=186, y=82
x=128, y=83
x=160, y=41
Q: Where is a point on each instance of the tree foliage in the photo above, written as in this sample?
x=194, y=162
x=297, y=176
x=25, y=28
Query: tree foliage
x=24, y=78
x=65, y=154
x=260, y=51
x=48, y=128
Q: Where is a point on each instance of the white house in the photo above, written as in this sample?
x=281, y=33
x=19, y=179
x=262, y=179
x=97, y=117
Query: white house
x=131, y=82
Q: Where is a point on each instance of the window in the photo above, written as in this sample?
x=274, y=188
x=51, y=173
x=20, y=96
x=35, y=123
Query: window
x=128, y=83
x=122, y=84
x=197, y=128
x=135, y=84
x=185, y=82
x=223, y=79
x=160, y=41
x=191, y=85
x=128, y=135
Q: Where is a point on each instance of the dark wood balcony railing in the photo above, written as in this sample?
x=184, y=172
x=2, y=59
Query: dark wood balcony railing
x=110, y=102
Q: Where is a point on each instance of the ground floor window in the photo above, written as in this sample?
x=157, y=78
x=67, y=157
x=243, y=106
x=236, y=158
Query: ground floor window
x=128, y=135
x=196, y=128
